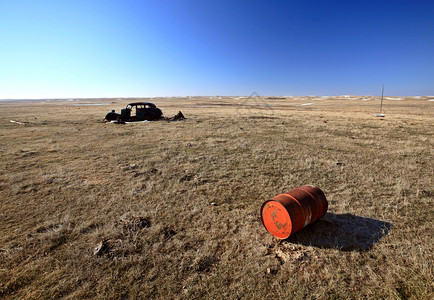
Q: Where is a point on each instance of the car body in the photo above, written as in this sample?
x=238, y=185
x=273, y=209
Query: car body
x=137, y=111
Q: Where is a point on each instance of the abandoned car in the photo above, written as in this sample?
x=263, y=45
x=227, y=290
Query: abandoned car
x=137, y=111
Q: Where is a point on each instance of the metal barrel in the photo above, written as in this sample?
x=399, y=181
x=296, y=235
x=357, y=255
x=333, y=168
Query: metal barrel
x=288, y=213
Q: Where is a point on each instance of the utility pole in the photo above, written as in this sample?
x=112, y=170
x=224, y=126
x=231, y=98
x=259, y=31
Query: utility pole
x=381, y=105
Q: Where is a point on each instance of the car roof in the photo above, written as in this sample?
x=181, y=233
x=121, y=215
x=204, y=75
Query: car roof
x=141, y=103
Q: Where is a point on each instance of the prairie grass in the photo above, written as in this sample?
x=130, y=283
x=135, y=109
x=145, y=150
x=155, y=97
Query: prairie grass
x=174, y=206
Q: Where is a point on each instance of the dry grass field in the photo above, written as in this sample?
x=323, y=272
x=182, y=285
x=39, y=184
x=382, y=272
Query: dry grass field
x=174, y=206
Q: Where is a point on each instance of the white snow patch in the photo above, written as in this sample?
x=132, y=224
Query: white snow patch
x=89, y=104
x=200, y=105
x=114, y=121
x=430, y=100
x=347, y=97
x=145, y=121
x=304, y=104
x=392, y=98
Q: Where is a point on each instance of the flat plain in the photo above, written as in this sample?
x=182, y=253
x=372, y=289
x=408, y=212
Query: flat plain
x=170, y=210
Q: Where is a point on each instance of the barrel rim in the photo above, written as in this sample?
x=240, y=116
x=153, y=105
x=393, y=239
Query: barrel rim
x=289, y=219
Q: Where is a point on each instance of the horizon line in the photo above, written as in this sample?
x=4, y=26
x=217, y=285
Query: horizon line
x=208, y=96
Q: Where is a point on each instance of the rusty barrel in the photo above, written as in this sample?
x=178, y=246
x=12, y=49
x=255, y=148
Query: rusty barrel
x=288, y=213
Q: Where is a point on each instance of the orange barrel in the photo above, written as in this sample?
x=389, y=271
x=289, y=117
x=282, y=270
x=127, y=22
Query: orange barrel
x=288, y=213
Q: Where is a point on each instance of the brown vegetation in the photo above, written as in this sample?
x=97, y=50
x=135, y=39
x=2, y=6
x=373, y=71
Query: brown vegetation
x=170, y=210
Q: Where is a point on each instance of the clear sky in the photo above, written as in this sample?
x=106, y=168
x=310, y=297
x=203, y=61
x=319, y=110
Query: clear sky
x=132, y=48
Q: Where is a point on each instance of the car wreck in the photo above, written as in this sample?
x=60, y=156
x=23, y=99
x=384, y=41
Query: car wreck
x=137, y=111
x=140, y=111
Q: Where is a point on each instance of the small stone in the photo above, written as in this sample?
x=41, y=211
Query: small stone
x=102, y=247
x=98, y=249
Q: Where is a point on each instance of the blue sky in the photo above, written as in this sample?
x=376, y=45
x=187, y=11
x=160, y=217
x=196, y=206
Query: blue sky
x=103, y=48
